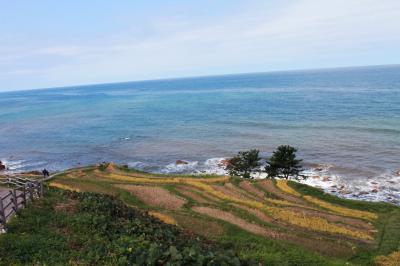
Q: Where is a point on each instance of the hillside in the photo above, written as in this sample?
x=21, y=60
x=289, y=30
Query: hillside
x=272, y=222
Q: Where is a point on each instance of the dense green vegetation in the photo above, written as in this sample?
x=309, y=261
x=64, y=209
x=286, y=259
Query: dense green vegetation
x=217, y=220
x=95, y=229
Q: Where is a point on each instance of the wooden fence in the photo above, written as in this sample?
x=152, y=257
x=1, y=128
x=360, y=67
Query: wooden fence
x=15, y=193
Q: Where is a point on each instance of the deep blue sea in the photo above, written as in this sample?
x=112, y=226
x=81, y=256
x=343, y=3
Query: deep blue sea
x=347, y=119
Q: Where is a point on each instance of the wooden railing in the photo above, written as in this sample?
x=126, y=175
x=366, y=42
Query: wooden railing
x=16, y=193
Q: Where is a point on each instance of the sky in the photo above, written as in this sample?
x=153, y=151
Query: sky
x=61, y=43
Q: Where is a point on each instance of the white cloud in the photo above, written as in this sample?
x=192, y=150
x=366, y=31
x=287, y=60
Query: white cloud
x=307, y=33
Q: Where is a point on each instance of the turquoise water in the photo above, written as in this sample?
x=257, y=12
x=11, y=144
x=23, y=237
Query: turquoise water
x=347, y=118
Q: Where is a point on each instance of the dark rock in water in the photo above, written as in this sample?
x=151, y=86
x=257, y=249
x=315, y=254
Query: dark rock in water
x=2, y=166
x=178, y=162
x=363, y=193
x=374, y=183
x=374, y=190
x=398, y=173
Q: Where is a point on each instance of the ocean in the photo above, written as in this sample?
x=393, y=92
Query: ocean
x=345, y=123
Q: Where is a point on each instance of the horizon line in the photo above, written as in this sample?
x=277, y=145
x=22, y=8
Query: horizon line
x=201, y=76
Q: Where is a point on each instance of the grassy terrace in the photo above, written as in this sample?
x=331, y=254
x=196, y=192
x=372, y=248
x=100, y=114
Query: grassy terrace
x=276, y=223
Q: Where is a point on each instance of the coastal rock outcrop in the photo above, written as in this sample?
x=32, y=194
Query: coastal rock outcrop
x=2, y=166
x=326, y=178
x=179, y=162
x=224, y=163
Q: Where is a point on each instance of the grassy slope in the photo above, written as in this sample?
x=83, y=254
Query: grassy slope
x=94, y=229
x=279, y=251
x=388, y=224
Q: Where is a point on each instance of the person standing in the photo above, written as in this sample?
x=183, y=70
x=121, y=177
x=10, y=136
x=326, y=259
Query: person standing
x=45, y=173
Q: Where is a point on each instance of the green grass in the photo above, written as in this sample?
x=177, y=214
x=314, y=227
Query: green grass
x=247, y=245
x=388, y=223
x=93, y=229
x=270, y=252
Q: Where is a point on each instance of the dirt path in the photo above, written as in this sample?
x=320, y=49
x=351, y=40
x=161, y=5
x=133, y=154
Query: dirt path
x=232, y=219
x=193, y=195
x=248, y=186
x=256, y=212
x=269, y=186
x=243, y=192
x=326, y=247
x=345, y=221
x=232, y=191
x=155, y=196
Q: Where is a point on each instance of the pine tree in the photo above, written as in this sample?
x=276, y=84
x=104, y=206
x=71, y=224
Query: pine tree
x=244, y=163
x=283, y=163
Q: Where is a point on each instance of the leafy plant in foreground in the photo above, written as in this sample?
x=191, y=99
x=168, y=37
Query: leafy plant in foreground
x=92, y=229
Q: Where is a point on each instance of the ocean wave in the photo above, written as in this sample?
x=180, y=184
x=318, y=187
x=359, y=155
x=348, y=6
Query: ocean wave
x=17, y=166
x=186, y=167
x=384, y=187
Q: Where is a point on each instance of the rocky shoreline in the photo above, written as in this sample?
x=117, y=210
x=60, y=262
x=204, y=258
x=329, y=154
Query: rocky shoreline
x=385, y=188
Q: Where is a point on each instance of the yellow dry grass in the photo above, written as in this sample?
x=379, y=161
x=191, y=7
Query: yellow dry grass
x=342, y=210
x=155, y=196
x=163, y=217
x=316, y=223
x=189, y=193
x=392, y=259
x=235, y=220
x=309, y=222
x=283, y=202
x=267, y=206
x=166, y=180
x=283, y=185
x=62, y=186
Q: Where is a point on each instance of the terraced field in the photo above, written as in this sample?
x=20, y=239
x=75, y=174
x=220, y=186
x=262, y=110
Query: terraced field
x=275, y=222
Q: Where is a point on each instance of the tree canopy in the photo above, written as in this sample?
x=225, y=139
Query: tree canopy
x=283, y=163
x=244, y=163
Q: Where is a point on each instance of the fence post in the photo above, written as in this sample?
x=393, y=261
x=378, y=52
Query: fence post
x=2, y=214
x=30, y=191
x=15, y=200
x=24, y=195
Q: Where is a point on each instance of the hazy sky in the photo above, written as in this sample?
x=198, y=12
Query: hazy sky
x=60, y=43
